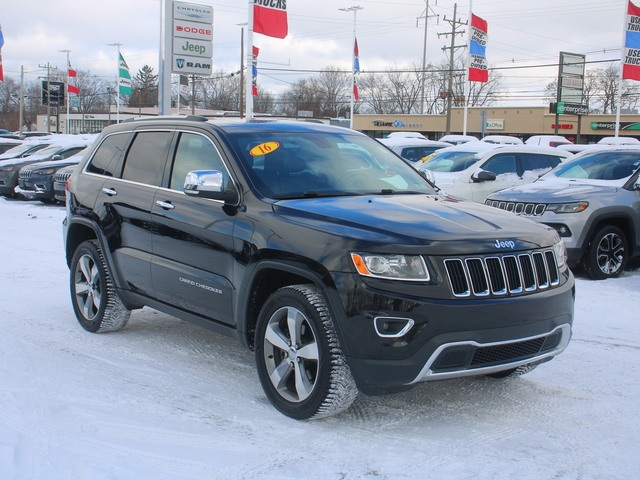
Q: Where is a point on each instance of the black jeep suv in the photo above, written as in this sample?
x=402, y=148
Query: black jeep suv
x=318, y=248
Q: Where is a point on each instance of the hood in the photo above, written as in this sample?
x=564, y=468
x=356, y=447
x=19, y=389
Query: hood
x=57, y=163
x=408, y=223
x=557, y=190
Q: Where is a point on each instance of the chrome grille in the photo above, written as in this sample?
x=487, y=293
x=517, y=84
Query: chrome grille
x=510, y=274
x=61, y=177
x=24, y=173
x=519, y=208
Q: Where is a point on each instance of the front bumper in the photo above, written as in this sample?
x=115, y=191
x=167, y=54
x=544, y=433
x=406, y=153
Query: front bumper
x=452, y=338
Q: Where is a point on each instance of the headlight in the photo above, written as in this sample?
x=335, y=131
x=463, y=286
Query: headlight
x=48, y=171
x=560, y=250
x=10, y=168
x=574, y=207
x=394, y=267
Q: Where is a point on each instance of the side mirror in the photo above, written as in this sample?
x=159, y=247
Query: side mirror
x=428, y=175
x=209, y=184
x=56, y=157
x=484, y=176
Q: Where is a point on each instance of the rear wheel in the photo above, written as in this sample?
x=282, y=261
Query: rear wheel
x=606, y=255
x=300, y=363
x=95, y=301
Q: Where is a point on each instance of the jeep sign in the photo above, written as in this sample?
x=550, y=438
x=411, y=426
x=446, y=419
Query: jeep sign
x=195, y=48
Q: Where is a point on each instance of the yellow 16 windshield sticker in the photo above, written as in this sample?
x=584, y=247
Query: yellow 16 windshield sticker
x=264, y=149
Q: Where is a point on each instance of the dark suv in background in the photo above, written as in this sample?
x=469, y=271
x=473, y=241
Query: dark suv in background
x=318, y=248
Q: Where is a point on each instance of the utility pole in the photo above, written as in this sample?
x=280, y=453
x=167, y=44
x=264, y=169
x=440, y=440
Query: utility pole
x=455, y=24
x=21, y=115
x=48, y=67
x=426, y=17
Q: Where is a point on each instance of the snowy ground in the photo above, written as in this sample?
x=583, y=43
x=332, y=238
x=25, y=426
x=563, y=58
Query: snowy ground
x=163, y=399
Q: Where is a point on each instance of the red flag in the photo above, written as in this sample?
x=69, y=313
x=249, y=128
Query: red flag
x=270, y=18
x=72, y=72
x=255, y=51
x=73, y=89
x=356, y=95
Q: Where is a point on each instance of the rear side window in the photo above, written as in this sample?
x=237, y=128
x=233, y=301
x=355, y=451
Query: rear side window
x=106, y=160
x=146, y=158
x=502, y=163
x=535, y=161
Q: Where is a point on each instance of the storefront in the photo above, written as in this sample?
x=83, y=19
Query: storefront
x=515, y=121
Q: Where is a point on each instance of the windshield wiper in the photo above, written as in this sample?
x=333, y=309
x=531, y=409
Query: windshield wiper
x=314, y=194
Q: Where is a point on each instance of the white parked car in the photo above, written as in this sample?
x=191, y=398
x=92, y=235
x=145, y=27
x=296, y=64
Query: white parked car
x=412, y=149
x=458, y=139
x=548, y=140
x=502, y=140
x=474, y=170
x=406, y=135
x=619, y=141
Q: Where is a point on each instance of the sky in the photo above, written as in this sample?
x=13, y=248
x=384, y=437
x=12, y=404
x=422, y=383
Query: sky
x=522, y=35
x=164, y=399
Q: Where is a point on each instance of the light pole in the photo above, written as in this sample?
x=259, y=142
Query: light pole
x=353, y=9
x=117, y=91
x=242, y=25
x=109, y=102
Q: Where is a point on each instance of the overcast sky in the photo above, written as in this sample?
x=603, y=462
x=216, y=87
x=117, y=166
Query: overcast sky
x=521, y=33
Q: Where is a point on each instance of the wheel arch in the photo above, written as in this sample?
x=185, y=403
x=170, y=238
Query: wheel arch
x=271, y=275
x=80, y=229
x=622, y=221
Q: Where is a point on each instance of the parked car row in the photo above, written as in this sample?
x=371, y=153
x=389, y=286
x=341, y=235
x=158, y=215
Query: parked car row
x=28, y=169
x=473, y=170
x=592, y=198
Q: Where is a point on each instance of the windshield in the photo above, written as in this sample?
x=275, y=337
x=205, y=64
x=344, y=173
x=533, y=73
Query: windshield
x=311, y=164
x=450, y=161
x=20, y=149
x=613, y=165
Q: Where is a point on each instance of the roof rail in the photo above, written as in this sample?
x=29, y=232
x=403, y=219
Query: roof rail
x=193, y=118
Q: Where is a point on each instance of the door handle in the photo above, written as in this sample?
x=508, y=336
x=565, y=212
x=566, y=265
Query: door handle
x=165, y=205
x=109, y=191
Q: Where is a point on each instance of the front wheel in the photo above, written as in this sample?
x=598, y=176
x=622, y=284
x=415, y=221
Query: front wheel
x=606, y=255
x=300, y=363
x=95, y=301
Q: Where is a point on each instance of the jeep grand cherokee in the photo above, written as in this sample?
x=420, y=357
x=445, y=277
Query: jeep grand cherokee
x=318, y=248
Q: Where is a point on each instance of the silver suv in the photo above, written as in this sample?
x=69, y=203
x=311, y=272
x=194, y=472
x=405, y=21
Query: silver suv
x=593, y=202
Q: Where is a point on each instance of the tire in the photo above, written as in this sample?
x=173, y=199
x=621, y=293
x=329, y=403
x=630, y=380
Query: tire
x=304, y=375
x=607, y=254
x=514, y=372
x=95, y=301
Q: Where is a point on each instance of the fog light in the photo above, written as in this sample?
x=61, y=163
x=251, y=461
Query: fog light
x=392, y=327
